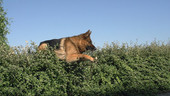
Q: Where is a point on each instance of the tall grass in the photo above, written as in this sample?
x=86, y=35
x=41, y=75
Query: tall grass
x=120, y=70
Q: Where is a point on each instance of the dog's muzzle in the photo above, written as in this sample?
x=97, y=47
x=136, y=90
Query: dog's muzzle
x=90, y=48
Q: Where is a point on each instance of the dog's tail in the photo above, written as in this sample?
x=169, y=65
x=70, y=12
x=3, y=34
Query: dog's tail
x=42, y=46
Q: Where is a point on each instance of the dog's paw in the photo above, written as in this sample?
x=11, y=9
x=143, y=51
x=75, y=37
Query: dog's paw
x=94, y=60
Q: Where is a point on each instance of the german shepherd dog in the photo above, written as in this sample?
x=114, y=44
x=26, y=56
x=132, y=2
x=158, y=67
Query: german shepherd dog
x=71, y=48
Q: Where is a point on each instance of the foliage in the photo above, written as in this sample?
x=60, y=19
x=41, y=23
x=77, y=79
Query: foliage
x=4, y=22
x=120, y=70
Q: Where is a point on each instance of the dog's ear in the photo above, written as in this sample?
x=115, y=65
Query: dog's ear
x=87, y=34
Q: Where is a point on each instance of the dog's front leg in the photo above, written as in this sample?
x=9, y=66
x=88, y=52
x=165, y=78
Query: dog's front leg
x=76, y=57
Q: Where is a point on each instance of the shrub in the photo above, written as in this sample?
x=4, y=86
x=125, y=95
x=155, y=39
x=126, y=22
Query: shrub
x=120, y=70
x=4, y=24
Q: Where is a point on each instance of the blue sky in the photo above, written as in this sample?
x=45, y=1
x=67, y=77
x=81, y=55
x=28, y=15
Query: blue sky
x=109, y=20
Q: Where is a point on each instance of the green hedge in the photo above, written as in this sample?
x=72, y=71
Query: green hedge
x=120, y=70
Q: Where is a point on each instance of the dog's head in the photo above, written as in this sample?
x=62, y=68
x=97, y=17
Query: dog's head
x=86, y=42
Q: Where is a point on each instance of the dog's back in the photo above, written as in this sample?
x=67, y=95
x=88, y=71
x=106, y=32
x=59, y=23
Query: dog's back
x=54, y=43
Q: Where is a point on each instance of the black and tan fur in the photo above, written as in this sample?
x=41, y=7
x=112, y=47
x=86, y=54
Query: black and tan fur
x=71, y=48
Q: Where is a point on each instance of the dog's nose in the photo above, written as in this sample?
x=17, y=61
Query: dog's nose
x=95, y=48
